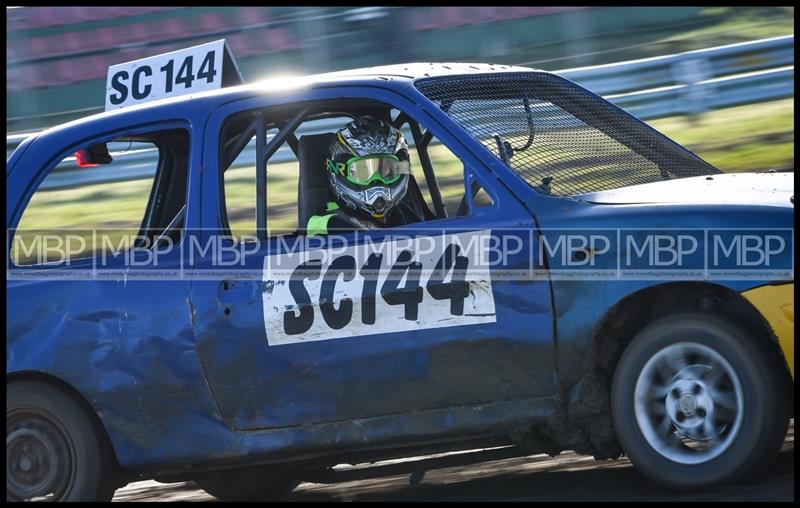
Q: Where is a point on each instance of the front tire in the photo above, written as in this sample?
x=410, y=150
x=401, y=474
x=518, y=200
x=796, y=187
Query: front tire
x=54, y=452
x=697, y=402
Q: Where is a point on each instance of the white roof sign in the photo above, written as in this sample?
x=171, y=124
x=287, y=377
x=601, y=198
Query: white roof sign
x=197, y=69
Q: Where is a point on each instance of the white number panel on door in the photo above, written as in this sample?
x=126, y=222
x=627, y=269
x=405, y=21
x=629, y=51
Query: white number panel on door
x=394, y=285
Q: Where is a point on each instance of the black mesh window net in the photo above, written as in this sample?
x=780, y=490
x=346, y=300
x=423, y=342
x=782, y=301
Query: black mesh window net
x=560, y=138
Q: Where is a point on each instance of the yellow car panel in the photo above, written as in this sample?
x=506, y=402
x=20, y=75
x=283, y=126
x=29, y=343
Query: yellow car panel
x=776, y=304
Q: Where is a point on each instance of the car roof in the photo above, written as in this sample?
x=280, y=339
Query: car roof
x=419, y=70
x=386, y=74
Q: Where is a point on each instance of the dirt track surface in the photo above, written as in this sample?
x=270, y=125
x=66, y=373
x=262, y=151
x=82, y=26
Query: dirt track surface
x=567, y=477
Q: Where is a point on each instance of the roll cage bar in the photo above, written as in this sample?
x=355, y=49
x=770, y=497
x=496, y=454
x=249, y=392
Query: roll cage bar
x=287, y=127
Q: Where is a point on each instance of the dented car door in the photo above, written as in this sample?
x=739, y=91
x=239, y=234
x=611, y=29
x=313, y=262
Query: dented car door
x=302, y=336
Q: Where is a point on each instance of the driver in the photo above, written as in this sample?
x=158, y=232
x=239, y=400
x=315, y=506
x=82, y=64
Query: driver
x=368, y=170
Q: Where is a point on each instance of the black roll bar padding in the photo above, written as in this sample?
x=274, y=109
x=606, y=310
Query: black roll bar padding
x=261, y=178
x=286, y=129
x=236, y=145
x=427, y=168
x=264, y=151
x=400, y=120
x=293, y=144
x=426, y=139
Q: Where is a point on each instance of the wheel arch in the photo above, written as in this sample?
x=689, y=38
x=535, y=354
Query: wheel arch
x=583, y=419
x=633, y=312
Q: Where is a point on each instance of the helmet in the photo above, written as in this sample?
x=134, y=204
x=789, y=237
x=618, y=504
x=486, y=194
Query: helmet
x=368, y=166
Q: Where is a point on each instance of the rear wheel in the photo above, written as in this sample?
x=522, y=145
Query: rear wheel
x=250, y=484
x=697, y=402
x=53, y=450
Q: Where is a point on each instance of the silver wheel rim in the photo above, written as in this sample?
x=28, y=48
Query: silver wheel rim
x=688, y=403
x=39, y=458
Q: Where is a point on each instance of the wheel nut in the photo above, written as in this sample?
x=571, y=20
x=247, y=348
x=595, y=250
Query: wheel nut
x=26, y=464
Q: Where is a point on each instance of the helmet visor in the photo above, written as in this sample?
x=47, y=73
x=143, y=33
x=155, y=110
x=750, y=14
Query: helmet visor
x=385, y=168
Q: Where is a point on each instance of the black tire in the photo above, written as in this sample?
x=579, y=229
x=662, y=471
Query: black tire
x=53, y=449
x=247, y=484
x=764, y=409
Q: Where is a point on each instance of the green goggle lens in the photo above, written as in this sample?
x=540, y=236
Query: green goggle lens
x=385, y=168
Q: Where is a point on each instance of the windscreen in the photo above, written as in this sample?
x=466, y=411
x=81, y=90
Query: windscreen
x=559, y=137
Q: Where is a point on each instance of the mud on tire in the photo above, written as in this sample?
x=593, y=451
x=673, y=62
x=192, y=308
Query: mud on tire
x=697, y=401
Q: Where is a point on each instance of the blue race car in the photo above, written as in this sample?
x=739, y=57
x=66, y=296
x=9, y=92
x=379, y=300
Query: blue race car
x=576, y=281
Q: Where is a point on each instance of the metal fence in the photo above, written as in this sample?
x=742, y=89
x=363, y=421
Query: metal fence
x=684, y=83
x=695, y=81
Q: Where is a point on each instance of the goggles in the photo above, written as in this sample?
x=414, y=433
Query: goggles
x=363, y=170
